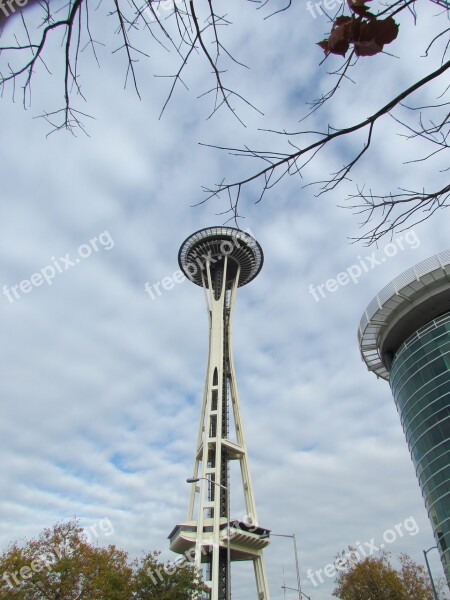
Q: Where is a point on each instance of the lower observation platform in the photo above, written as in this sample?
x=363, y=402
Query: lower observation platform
x=246, y=541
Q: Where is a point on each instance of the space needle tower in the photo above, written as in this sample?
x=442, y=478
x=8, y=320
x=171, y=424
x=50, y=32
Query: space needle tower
x=220, y=259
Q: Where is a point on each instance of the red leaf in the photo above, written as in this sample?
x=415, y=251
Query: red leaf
x=358, y=6
x=369, y=48
x=342, y=20
x=324, y=45
x=355, y=30
x=386, y=31
x=367, y=32
x=338, y=41
x=357, y=3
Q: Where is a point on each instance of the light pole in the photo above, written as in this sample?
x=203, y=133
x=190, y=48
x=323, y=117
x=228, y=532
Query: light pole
x=299, y=589
x=194, y=480
x=285, y=587
x=425, y=552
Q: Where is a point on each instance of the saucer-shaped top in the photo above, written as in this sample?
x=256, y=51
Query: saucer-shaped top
x=211, y=245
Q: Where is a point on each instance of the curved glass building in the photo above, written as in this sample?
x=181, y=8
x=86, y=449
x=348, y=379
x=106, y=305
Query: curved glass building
x=404, y=337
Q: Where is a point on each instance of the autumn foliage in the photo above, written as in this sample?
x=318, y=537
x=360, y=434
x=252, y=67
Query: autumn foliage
x=367, y=33
x=62, y=565
x=375, y=578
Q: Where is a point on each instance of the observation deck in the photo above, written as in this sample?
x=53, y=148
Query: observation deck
x=246, y=541
x=213, y=244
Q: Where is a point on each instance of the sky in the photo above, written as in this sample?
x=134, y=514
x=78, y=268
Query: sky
x=101, y=385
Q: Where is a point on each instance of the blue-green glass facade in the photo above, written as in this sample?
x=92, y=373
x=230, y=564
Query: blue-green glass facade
x=420, y=382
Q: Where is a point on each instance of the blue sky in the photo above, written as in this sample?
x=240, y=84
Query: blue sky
x=100, y=385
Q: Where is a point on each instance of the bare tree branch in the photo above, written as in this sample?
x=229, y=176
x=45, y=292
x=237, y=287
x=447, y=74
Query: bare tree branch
x=398, y=211
x=289, y=162
x=192, y=30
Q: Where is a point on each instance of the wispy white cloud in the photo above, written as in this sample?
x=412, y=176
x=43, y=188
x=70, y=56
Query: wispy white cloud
x=101, y=386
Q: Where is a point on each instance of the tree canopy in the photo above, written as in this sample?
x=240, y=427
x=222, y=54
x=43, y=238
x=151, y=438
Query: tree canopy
x=62, y=565
x=374, y=578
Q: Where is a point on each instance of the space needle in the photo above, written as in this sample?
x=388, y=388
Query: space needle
x=221, y=259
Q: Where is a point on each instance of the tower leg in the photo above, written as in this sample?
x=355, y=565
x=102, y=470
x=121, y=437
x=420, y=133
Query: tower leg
x=261, y=578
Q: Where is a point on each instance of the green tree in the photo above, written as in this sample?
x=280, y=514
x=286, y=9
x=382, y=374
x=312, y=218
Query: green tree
x=61, y=565
x=374, y=578
x=155, y=580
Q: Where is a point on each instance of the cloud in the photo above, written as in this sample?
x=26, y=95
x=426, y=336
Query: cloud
x=101, y=386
